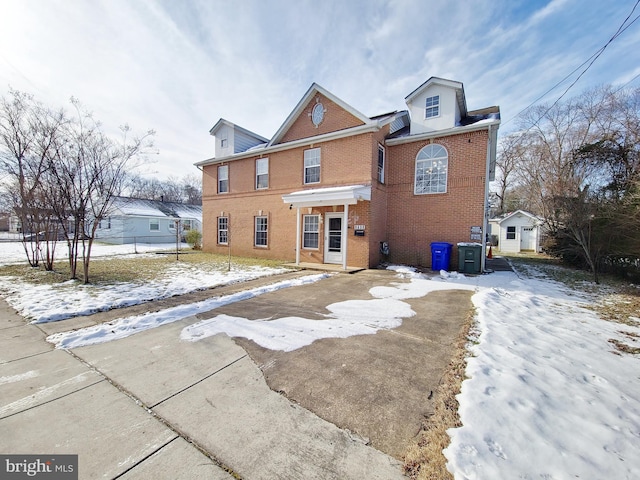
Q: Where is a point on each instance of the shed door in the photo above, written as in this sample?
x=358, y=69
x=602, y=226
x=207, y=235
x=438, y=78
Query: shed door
x=527, y=239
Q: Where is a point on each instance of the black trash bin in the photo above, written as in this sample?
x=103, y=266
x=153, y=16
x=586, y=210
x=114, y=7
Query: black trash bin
x=469, y=257
x=440, y=255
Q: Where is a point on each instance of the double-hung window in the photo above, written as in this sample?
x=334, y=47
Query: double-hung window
x=223, y=179
x=311, y=233
x=432, y=164
x=261, y=232
x=432, y=107
x=312, y=165
x=223, y=230
x=511, y=233
x=154, y=225
x=262, y=173
x=380, y=163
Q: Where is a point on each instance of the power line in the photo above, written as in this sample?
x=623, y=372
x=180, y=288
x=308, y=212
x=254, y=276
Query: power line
x=590, y=61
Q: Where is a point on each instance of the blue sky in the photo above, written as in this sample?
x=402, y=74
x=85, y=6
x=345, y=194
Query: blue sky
x=178, y=66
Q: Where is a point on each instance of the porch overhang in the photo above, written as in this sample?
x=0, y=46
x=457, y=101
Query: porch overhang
x=319, y=197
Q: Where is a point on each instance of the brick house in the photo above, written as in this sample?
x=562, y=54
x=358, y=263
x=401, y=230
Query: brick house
x=335, y=186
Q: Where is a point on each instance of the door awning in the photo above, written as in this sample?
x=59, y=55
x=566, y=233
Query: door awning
x=316, y=197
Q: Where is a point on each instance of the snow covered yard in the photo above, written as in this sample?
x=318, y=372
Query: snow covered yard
x=548, y=394
x=49, y=302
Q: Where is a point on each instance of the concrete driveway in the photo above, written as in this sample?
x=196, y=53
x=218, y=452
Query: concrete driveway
x=152, y=406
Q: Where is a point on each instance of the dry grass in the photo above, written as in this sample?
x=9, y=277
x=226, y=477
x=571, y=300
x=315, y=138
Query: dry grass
x=424, y=458
x=130, y=268
x=620, y=307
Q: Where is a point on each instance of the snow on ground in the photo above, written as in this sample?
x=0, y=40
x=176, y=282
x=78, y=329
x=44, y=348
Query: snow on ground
x=50, y=303
x=13, y=252
x=124, y=327
x=546, y=397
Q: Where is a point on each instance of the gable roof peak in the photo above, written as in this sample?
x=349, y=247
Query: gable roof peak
x=226, y=122
x=457, y=86
x=314, y=90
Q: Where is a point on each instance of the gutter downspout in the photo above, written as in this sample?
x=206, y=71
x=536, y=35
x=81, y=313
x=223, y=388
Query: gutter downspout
x=485, y=220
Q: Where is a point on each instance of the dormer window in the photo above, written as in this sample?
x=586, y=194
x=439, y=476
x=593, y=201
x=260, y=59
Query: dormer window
x=432, y=108
x=224, y=142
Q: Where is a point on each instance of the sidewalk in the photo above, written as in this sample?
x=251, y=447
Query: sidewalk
x=151, y=406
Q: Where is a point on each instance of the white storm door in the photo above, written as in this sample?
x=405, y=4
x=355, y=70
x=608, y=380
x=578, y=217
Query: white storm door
x=333, y=248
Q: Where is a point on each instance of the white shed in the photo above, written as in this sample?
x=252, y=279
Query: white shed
x=517, y=231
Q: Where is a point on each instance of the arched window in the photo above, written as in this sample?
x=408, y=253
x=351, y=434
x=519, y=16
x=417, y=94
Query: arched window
x=432, y=164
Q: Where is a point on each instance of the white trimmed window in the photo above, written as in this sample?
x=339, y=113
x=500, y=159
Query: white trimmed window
x=262, y=173
x=432, y=107
x=381, y=163
x=154, y=225
x=106, y=225
x=311, y=231
x=511, y=233
x=223, y=179
x=432, y=165
x=312, y=165
x=261, y=232
x=223, y=230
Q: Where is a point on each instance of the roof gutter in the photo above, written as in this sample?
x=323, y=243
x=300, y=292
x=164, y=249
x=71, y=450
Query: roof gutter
x=360, y=129
x=442, y=133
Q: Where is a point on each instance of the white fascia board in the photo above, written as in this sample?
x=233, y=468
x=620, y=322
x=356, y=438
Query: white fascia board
x=371, y=127
x=434, y=80
x=218, y=124
x=442, y=133
x=526, y=214
x=223, y=121
x=347, y=195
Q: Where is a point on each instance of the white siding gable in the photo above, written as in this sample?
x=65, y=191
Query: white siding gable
x=231, y=139
x=449, y=115
x=224, y=141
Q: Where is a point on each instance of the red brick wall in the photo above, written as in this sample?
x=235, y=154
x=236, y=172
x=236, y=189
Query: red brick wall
x=408, y=222
x=414, y=221
x=346, y=161
x=335, y=118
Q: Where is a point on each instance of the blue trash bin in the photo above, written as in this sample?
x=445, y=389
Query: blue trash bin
x=440, y=255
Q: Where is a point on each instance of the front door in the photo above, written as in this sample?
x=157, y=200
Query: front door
x=333, y=238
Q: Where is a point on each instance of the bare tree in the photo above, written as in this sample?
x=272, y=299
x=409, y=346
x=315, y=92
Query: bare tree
x=28, y=131
x=187, y=189
x=576, y=163
x=511, y=152
x=86, y=171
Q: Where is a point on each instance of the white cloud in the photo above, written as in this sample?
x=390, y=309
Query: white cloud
x=178, y=67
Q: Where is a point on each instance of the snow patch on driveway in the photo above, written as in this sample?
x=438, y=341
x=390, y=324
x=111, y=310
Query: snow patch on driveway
x=352, y=317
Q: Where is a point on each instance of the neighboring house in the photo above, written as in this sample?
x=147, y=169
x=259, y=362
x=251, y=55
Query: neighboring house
x=336, y=186
x=517, y=231
x=135, y=220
